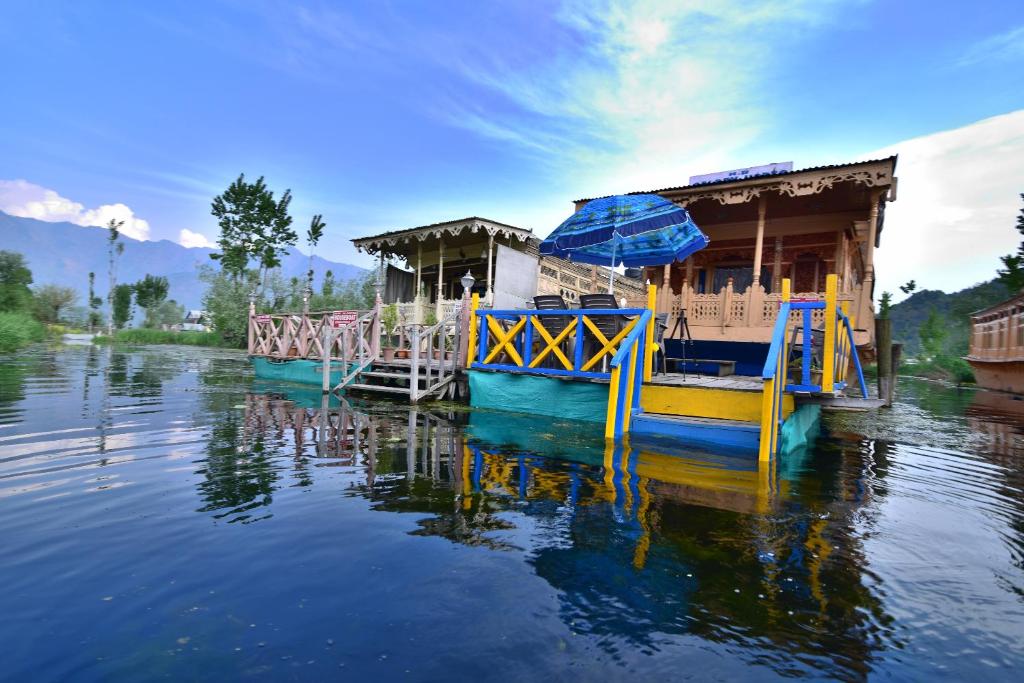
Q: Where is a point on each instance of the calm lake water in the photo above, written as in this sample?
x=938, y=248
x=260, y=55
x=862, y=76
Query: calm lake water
x=163, y=515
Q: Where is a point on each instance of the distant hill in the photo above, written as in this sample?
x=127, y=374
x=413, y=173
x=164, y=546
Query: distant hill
x=65, y=253
x=908, y=315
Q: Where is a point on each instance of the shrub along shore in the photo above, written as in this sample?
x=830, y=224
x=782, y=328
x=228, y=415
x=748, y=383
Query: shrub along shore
x=18, y=330
x=147, y=336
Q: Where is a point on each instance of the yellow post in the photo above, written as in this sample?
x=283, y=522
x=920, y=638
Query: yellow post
x=652, y=299
x=767, y=418
x=785, y=289
x=473, y=305
x=613, y=403
x=828, y=350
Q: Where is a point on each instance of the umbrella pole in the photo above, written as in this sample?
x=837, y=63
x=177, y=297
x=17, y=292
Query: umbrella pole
x=611, y=276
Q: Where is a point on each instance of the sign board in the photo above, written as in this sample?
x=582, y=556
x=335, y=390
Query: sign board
x=743, y=173
x=343, y=318
x=515, y=278
x=262, y=319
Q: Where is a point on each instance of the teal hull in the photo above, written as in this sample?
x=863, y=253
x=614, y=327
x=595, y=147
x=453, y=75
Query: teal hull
x=297, y=370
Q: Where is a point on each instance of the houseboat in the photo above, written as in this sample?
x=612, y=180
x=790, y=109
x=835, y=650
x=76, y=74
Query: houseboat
x=996, y=352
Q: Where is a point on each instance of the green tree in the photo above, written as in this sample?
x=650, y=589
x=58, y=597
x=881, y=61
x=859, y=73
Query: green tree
x=52, y=300
x=121, y=306
x=115, y=247
x=168, y=312
x=1012, y=272
x=884, y=305
x=253, y=226
x=933, y=333
x=313, y=235
x=909, y=287
x=15, y=277
x=95, y=319
x=226, y=301
x=327, y=287
x=150, y=292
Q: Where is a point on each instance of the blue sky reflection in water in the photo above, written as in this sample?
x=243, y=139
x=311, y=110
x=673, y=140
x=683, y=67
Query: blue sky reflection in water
x=161, y=518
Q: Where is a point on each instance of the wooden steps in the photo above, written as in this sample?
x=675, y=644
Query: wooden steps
x=378, y=388
x=738, y=434
x=395, y=378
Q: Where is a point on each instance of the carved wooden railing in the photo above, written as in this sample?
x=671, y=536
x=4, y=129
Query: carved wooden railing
x=752, y=308
x=352, y=348
x=287, y=335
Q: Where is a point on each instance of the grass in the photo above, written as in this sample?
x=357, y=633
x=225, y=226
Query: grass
x=145, y=336
x=18, y=330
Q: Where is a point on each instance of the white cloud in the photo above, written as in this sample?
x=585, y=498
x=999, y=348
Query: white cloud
x=187, y=238
x=955, y=213
x=22, y=198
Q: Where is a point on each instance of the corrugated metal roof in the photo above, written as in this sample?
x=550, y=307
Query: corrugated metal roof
x=726, y=181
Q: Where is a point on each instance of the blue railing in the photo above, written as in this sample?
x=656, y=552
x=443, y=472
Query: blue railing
x=506, y=340
x=518, y=341
x=837, y=350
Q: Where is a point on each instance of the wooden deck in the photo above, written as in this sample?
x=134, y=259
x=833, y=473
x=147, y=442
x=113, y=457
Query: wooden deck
x=690, y=379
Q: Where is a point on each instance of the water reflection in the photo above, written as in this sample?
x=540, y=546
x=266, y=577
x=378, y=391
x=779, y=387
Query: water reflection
x=157, y=478
x=643, y=543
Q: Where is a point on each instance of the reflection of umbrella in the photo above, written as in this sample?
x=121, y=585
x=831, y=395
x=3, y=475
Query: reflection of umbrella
x=633, y=229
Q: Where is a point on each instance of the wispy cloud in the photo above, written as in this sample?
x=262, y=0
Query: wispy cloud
x=653, y=89
x=22, y=198
x=1002, y=47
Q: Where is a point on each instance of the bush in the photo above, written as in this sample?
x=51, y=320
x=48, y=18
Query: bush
x=18, y=330
x=147, y=336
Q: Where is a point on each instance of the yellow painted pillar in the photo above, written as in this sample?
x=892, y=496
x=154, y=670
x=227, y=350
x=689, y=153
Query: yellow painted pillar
x=785, y=289
x=652, y=299
x=828, y=350
x=764, y=452
x=613, y=403
x=473, y=341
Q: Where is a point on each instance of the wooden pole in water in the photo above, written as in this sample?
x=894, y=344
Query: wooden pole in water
x=883, y=347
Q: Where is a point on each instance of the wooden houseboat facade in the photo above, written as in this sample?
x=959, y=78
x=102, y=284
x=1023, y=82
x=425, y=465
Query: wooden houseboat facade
x=996, y=352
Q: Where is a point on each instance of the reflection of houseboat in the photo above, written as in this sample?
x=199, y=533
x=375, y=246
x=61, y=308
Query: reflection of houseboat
x=997, y=346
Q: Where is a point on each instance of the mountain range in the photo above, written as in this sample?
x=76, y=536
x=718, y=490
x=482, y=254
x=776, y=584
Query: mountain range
x=65, y=253
x=955, y=309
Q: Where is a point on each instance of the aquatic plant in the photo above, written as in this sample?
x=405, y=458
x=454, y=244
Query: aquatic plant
x=19, y=329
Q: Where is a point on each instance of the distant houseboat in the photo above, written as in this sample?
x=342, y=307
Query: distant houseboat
x=997, y=346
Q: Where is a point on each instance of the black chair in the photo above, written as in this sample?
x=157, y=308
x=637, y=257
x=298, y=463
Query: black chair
x=608, y=325
x=554, y=324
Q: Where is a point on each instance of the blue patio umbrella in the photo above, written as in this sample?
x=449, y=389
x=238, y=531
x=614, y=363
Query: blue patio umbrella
x=631, y=230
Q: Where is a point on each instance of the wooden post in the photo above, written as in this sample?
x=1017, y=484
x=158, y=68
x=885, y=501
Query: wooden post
x=828, y=348
x=326, y=357
x=883, y=348
x=490, y=270
x=777, y=265
x=419, y=269
x=465, y=315
x=759, y=240
x=897, y=355
x=251, y=341
x=414, y=365
x=440, y=279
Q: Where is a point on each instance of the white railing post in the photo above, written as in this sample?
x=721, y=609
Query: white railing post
x=414, y=356
x=326, y=357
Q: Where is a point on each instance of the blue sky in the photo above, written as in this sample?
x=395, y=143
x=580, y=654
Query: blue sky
x=388, y=115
